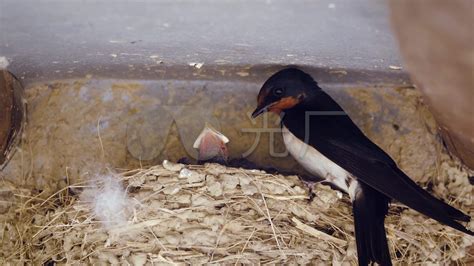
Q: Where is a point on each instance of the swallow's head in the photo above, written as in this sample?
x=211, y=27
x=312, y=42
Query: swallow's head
x=284, y=90
x=211, y=146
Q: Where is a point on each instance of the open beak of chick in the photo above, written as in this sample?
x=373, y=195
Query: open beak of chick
x=211, y=146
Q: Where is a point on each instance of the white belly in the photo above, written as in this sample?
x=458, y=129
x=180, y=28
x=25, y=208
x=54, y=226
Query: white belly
x=314, y=162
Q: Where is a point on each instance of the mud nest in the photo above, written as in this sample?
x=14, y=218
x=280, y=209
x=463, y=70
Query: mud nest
x=184, y=214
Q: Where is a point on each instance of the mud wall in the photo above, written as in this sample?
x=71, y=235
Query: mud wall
x=77, y=127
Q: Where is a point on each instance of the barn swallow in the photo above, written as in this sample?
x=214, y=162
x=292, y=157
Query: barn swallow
x=326, y=142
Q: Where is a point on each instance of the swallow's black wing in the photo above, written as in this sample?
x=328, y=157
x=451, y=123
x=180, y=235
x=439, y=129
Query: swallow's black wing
x=341, y=141
x=363, y=162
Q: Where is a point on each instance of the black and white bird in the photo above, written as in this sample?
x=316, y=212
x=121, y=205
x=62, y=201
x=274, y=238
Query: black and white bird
x=326, y=142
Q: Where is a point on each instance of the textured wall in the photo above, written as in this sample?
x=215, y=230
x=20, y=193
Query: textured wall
x=77, y=127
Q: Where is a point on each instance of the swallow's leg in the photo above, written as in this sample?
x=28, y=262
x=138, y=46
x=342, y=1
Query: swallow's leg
x=310, y=186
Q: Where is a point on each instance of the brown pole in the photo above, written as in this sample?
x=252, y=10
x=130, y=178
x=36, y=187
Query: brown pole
x=436, y=40
x=12, y=114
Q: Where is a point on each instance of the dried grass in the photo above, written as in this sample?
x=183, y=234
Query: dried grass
x=211, y=214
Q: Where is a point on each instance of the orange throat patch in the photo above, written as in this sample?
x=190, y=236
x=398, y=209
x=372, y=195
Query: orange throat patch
x=283, y=104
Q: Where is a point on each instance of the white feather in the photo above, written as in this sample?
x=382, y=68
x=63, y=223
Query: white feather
x=315, y=162
x=109, y=201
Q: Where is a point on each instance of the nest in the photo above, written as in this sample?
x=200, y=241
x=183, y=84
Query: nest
x=185, y=214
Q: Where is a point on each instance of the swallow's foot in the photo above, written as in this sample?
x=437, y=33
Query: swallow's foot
x=310, y=186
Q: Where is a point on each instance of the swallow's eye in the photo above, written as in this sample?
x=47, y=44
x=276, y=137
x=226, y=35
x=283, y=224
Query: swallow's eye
x=278, y=91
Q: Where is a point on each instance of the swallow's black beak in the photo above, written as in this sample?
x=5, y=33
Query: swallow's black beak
x=259, y=110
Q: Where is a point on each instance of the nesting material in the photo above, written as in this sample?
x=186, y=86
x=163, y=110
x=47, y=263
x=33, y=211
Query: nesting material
x=177, y=214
